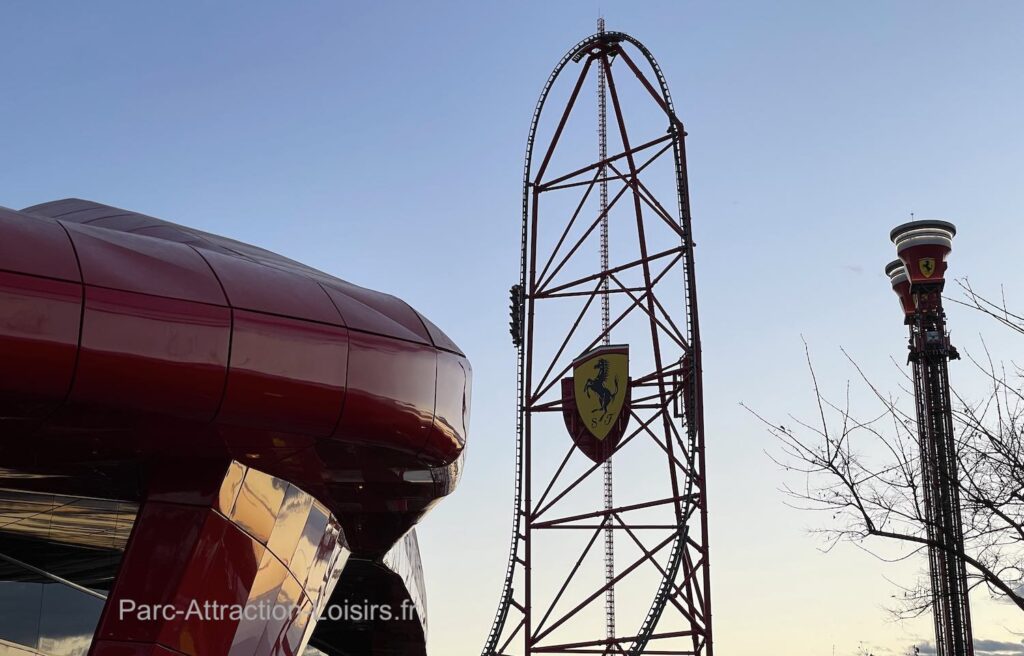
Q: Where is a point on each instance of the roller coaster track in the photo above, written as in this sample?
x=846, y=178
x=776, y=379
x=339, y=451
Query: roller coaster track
x=685, y=582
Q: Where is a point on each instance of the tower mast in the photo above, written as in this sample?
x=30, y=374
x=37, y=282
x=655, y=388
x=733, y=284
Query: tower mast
x=918, y=278
x=609, y=496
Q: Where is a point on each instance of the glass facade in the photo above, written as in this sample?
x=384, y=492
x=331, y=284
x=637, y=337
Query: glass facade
x=404, y=560
x=58, y=555
x=48, y=616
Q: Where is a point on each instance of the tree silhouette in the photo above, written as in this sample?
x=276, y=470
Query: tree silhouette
x=870, y=500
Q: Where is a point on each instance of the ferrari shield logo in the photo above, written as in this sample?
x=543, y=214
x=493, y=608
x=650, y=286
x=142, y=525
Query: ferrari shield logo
x=595, y=401
x=927, y=266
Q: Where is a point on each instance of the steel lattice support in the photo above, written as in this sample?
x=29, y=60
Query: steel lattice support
x=930, y=353
x=661, y=531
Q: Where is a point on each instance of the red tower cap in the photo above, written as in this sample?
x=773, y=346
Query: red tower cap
x=923, y=247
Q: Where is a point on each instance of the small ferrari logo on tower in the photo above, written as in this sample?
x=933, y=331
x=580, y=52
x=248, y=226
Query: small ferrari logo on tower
x=595, y=401
x=927, y=266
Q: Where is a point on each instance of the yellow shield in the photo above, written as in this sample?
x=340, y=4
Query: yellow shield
x=600, y=378
x=927, y=266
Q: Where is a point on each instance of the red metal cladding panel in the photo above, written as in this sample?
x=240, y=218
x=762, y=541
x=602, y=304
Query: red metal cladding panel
x=77, y=210
x=451, y=413
x=439, y=338
x=151, y=353
x=252, y=286
x=55, y=208
x=221, y=571
x=373, y=312
x=925, y=263
x=156, y=558
x=390, y=393
x=39, y=321
x=285, y=374
x=88, y=214
x=208, y=561
x=147, y=265
x=35, y=246
x=177, y=234
x=902, y=289
x=126, y=222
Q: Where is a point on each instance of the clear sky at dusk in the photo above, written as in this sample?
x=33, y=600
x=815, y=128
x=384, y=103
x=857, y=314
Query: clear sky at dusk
x=383, y=142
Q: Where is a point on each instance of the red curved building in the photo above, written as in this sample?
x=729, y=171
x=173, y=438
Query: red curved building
x=187, y=420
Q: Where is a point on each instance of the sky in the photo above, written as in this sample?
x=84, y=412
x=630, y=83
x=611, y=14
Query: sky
x=383, y=143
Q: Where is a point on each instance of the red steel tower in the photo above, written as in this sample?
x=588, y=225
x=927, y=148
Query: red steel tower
x=918, y=278
x=608, y=350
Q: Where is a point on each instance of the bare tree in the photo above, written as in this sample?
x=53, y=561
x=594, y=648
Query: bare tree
x=873, y=498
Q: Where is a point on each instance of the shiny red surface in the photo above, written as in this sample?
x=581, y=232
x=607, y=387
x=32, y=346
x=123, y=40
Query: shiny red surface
x=158, y=555
x=254, y=286
x=39, y=321
x=390, y=392
x=451, y=409
x=127, y=340
x=133, y=263
x=902, y=290
x=376, y=313
x=255, y=543
x=141, y=358
x=150, y=353
x=286, y=374
x=292, y=362
x=912, y=257
x=222, y=568
x=36, y=247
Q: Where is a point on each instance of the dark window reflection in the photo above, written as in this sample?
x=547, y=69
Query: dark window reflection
x=50, y=617
x=19, y=612
x=68, y=620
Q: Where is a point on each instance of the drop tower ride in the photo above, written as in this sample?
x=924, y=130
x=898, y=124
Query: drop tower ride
x=918, y=279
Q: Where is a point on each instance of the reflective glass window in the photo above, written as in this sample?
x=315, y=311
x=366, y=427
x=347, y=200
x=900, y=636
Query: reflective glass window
x=19, y=612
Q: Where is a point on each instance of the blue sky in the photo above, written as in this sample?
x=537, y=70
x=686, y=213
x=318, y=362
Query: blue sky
x=382, y=142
